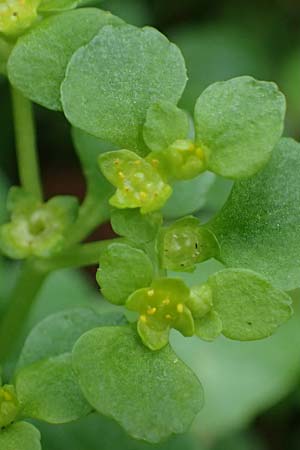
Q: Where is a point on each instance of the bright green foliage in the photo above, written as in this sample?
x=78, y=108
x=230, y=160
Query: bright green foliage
x=36, y=229
x=182, y=160
x=38, y=62
x=162, y=306
x=151, y=394
x=259, y=225
x=208, y=327
x=57, y=333
x=186, y=243
x=16, y=16
x=123, y=269
x=188, y=196
x=138, y=184
x=9, y=405
x=138, y=228
x=109, y=97
x=47, y=390
x=200, y=301
x=238, y=122
x=249, y=306
x=52, y=6
x=20, y=436
x=98, y=188
x=165, y=124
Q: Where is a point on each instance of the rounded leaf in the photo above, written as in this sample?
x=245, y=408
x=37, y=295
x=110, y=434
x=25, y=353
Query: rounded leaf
x=238, y=122
x=109, y=96
x=151, y=394
x=47, y=390
x=20, y=436
x=123, y=270
x=38, y=62
x=259, y=226
x=249, y=306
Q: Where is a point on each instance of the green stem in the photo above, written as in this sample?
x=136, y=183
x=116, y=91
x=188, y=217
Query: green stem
x=26, y=144
x=78, y=256
x=5, y=49
x=91, y=215
x=30, y=280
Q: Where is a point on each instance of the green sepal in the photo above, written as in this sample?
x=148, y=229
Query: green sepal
x=123, y=269
x=209, y=327
x=165, y=123
x=182, y=160
x=137, y=227
x=9, y=405
x=200, y=301
x=186, y=243
x=150, y=394
x=20, y=436
x=138, y=184
x=238, y=122
x=162, y=306
x=249, y=306
x=36, y=229
x=17, y=16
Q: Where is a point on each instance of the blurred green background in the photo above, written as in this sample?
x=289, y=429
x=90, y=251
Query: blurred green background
x=252, y=389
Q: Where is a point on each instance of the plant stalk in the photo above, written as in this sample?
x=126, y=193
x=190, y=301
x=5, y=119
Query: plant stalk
x=26, y=144
x=22, y=298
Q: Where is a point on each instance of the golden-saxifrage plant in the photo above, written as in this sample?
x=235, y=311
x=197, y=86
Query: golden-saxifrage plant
x=118, y=86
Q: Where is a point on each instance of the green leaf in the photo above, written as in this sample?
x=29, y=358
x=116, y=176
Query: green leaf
x=123, y=270
x=151, y=394
x=209, y=327
x=88, y=149
x=130, y=223
x=50, y=6
x=188, y=196
x=48, y=391
x=57, y=333
x=259, y=226
x=238, y=122
x=186, y=243
x=38, y=62
x=239, y=377
x=20, y=436
x=109, y=97
x=249, y=306
x=165, y=123
x=138, y=183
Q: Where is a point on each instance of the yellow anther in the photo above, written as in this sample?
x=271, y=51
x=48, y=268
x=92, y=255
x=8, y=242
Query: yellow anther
x=150, y=292
x=143, y=318
x=155, y=162
x=7, y=396
x=168, y=316
x=143, y=195
x=166, y=301
x=180, y=307
x=121, y=175
x=137, y=162
x=151, y=311
x=199, y=152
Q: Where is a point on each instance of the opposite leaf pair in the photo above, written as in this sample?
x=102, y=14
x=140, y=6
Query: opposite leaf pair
x=237, y=124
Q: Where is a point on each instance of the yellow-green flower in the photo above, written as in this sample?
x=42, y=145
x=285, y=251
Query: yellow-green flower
x=16, y=16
